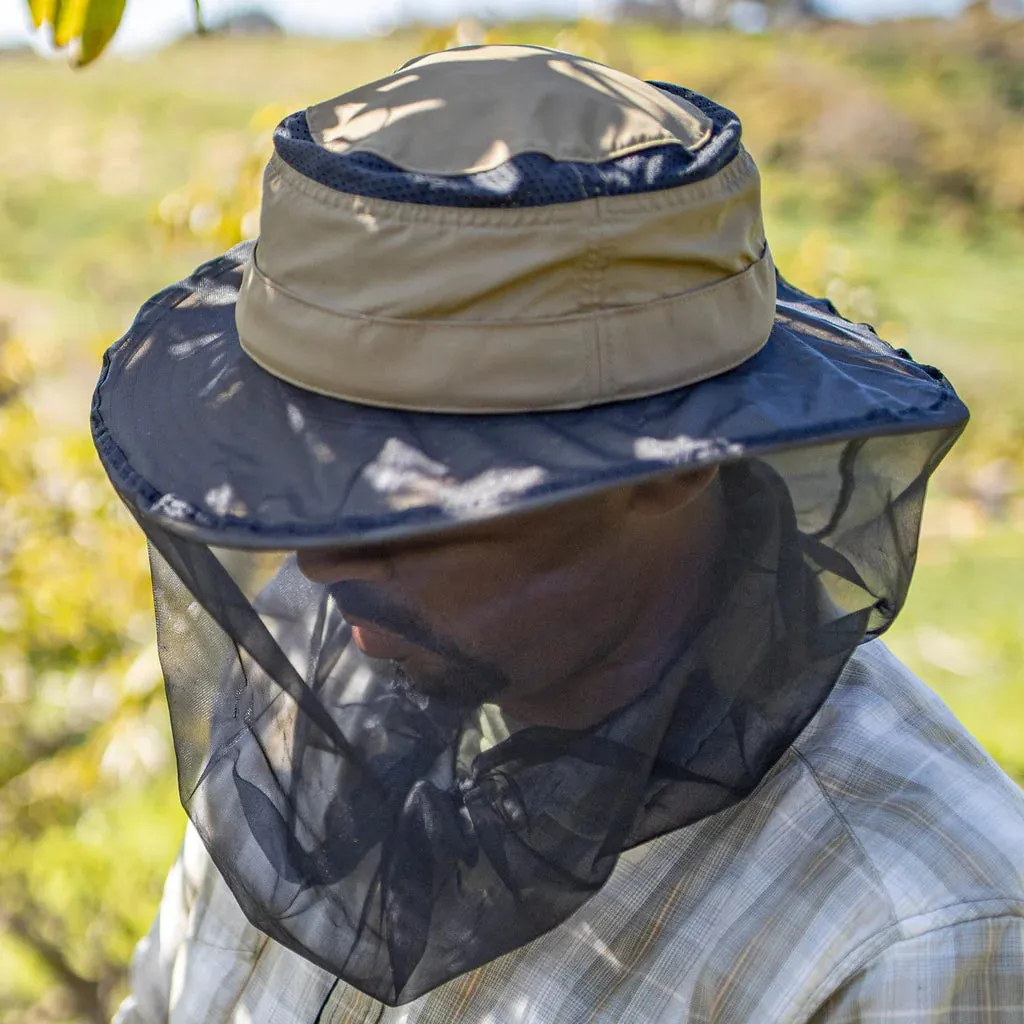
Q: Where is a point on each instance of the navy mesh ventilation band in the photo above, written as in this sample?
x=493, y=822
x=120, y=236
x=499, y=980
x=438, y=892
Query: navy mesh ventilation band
x=530, y=179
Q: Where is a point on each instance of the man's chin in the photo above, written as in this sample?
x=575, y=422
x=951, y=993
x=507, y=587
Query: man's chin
x=457, y=687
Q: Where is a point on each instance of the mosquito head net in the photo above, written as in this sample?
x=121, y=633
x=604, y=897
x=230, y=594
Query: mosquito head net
x=408, y=759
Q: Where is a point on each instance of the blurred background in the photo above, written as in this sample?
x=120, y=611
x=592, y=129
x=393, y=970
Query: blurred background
x=891, y=138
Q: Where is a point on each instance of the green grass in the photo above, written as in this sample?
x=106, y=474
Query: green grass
x=962, y=631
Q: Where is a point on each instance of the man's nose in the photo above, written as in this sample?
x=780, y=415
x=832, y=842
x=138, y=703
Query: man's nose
x=324, y=565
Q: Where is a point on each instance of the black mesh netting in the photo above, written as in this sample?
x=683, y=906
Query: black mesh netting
x=397, y=841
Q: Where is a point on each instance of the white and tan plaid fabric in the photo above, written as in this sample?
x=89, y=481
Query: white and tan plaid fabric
x=876, y=874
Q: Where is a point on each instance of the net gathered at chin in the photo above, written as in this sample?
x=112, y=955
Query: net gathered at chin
x=398, y=841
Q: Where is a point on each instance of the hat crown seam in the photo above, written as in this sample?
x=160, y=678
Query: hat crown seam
x=602, y=312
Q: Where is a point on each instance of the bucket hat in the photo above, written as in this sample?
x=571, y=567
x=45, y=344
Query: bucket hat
x=497, y=280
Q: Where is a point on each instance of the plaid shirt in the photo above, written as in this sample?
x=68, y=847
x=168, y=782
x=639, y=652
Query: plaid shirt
x=876, y=874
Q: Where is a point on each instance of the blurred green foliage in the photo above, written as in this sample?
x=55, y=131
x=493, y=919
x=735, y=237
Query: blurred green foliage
x=82, y=730
x=893, y=162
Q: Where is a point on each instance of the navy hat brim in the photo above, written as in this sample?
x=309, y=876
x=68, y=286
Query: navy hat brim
x=199, y=439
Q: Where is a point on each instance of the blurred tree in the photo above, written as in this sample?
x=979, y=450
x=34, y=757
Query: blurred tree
x=748, y=14
x=82, y=724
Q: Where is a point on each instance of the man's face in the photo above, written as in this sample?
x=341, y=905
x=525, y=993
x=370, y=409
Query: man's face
x=514, y=609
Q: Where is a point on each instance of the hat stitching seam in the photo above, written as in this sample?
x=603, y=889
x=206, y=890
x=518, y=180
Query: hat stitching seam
x=606, y=312
x=592, y=286
x=739, y=172
x=605, y=369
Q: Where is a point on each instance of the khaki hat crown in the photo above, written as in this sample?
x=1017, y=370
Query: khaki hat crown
x=473, y=309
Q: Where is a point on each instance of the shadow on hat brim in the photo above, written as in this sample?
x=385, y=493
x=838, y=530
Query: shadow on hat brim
x=200, y=440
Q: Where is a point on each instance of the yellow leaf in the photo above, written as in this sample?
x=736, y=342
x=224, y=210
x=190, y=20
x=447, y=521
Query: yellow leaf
x=102, y=18
x=41, y=11
x=68, y=17
x=58, y=13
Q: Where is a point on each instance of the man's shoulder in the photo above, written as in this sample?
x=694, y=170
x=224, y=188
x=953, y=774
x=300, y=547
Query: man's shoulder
x=935, y=820
x=883, y=825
